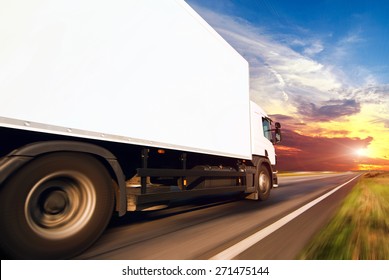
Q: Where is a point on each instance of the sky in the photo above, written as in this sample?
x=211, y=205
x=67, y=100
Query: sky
x=321, y=68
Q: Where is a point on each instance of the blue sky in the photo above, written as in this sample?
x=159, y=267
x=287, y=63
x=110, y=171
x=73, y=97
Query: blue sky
x=321, y=67
x=350, y=34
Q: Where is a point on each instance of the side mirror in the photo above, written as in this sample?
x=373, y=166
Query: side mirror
x=277, y=133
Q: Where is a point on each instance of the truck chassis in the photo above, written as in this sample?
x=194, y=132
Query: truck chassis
x=68, y=188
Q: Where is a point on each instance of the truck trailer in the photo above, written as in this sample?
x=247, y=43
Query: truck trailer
x=109, y=107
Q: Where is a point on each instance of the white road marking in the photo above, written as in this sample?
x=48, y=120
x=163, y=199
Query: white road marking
x=243, y=245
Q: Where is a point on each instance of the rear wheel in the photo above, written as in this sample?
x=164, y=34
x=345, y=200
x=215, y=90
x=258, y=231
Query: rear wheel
x=55, y=207
x=263, y=182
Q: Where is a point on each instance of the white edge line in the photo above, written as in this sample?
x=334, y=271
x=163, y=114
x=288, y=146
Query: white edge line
x=238, y=248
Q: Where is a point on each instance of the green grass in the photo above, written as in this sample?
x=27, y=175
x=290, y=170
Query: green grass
x=360, y=229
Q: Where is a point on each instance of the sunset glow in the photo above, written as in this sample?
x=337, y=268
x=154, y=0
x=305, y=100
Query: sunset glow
x=326, y=79
x=362, y=152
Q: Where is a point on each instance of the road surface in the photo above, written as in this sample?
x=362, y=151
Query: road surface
x=224, y=227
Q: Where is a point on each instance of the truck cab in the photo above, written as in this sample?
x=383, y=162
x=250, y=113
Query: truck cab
x=263, y=137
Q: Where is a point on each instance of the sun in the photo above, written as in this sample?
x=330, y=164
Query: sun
x=362, y=152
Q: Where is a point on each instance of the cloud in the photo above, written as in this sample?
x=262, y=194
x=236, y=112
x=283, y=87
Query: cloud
x=313, y=49
x=330, y=110
x=384, y=121
x=374, y=96
x=283, y=67
x=368, y=94
x=300, y=152
x=344, y=48
x=304, y=79
x=278, y=73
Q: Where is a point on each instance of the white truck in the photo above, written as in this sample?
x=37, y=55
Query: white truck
x=117, y=106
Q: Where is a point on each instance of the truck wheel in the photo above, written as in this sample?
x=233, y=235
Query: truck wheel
x=262, y=182
x=55, y=207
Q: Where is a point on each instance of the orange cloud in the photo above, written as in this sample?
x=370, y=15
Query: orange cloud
x=304, y=153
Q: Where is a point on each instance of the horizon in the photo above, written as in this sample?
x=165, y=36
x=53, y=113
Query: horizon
x=321, y=69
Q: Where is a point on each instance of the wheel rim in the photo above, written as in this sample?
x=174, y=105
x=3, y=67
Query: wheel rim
x=264, y=182
x=60, y=204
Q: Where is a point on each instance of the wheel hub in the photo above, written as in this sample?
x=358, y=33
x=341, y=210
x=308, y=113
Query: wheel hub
x=55, y=202
x=60, y=204
x=263, y=182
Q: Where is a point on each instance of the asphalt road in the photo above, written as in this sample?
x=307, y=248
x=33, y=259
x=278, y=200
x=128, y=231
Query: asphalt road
x=210, y=227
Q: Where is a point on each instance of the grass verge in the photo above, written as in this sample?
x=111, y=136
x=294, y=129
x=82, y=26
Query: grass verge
x=360, y=229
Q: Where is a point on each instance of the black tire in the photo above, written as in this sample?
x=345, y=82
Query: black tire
x=263, y=182
x=55, y=207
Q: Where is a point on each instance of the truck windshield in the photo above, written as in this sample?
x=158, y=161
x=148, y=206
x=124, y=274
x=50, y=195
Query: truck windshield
x=267, y=128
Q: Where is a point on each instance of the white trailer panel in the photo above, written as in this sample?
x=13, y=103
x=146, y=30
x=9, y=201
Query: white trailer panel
x=144, y=72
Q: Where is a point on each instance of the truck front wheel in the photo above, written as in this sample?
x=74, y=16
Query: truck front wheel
x=263, y=182
x=55, y=207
